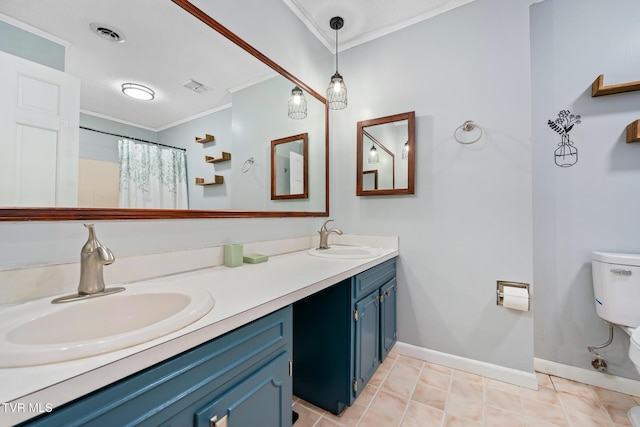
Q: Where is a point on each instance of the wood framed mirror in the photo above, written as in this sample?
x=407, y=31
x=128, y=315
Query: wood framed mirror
x=386, y=155
x=290, y=167
x=211, y=201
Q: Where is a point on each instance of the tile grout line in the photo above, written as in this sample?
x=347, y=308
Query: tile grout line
x=446, y=403
x=413, y=390
x=395, y=360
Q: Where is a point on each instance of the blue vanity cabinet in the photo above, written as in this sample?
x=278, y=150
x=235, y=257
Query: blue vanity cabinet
x=341, y=335
x=388, y=333
x=242, y=377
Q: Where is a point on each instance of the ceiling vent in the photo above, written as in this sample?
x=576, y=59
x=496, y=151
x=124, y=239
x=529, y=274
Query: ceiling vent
x=108, y=33
x=195, y=86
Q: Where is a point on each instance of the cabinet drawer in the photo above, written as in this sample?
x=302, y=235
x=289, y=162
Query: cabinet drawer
x=374, y=277
x=262, y=399
x=169, y=389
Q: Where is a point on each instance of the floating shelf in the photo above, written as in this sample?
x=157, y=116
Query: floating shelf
x=206, y=138
x=225, y=156
x=218, y=179
x=599, y=89
x=633, y=132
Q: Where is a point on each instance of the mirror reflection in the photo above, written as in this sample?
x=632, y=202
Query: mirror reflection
x=227, y=93
x=385, y=159
x=289, y=170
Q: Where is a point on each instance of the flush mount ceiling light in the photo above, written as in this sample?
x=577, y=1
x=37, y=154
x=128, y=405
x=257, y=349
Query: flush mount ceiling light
x=297, y=104
x=108, y=33
x=137, y=91
x=337, y=91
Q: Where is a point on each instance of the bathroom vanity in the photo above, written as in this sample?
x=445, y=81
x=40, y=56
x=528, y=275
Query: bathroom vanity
x=235, y=362
x=341, y=335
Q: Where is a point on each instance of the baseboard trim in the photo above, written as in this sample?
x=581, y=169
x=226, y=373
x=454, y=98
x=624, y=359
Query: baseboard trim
x=598, y=379
x=489, y=370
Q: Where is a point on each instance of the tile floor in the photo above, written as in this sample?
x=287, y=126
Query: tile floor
x=408, y=392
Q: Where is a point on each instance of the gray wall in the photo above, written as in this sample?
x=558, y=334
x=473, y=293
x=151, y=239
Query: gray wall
x=100, y=146
x=471, y=220
x=19, y=42
x=594, y=205
x=218, y=124
x=469, y=223
x=260, y=116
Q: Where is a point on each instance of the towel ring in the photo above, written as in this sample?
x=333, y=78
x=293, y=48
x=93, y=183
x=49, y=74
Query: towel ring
x=247, y=165
x=467, y=126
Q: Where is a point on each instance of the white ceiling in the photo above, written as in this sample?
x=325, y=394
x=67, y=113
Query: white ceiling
x=165, y=53
x=365, y=20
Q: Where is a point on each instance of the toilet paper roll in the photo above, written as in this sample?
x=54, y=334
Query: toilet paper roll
x=515, y=298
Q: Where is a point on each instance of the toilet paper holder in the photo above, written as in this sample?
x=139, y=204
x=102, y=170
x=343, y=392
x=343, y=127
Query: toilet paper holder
x=500, y=290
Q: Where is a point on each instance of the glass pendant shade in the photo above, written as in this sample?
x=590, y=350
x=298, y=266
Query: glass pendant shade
x=373, y=155
x=405, y=151
x=297, y=104
x=337, y=90
x=337, y=93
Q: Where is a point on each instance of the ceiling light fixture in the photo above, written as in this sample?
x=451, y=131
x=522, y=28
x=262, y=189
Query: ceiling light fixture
x=297, y=104
x=337, y=91
x=137, y=91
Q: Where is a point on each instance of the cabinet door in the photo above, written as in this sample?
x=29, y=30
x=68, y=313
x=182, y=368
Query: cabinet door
x=388, y=330
x=263, y=399
x=366, y=340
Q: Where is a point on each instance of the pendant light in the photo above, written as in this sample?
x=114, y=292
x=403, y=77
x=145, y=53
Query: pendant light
x=405, y=151
x=297, y=104
x=337, y=91
x=373, y=155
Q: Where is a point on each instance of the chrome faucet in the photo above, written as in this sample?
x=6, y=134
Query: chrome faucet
x=93, y=256
x=324, y=234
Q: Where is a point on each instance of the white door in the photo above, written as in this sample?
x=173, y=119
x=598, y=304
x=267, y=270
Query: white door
x=296, y=178
x=39, y=118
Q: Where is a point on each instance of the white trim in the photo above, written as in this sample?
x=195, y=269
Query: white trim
x=489, y=370
x=377, y=33
x=308, y=22
x=254, y=82
x=113, y=119
x=37, y=31
x=610, y=382
x=196, y=116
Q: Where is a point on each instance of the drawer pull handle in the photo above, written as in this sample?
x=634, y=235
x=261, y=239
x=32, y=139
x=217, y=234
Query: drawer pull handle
x=214, y=422
x=621, y=271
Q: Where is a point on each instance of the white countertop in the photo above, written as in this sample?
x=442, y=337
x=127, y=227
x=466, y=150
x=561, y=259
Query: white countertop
x=242, y=294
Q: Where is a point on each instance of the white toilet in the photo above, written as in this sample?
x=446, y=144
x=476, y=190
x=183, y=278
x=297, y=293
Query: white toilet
x=616, y=288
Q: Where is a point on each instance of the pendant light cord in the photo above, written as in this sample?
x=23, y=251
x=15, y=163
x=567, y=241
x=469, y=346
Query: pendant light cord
x=336, y=50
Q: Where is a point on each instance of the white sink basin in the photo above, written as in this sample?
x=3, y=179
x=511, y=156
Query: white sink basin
x=39, y=332
x=345, y=252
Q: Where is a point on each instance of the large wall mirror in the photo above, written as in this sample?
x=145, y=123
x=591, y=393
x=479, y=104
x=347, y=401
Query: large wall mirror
x=218, y=103
x=386, y=155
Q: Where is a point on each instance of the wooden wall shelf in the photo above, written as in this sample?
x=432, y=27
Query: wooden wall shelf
x=205, y=138
x=218, y=179
x=599, y=89
x=633, y=132
x=225, y=156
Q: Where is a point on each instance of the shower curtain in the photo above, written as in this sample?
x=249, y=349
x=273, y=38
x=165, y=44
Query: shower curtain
x=152, y=176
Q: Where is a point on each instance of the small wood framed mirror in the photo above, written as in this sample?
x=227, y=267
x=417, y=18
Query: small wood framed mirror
x=289, y=167
x=386, y=155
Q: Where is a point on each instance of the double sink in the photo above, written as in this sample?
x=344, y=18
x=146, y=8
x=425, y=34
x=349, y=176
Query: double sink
x=38, y=332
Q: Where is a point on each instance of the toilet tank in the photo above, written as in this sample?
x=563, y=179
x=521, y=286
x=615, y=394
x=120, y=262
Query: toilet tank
x=616, y=287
